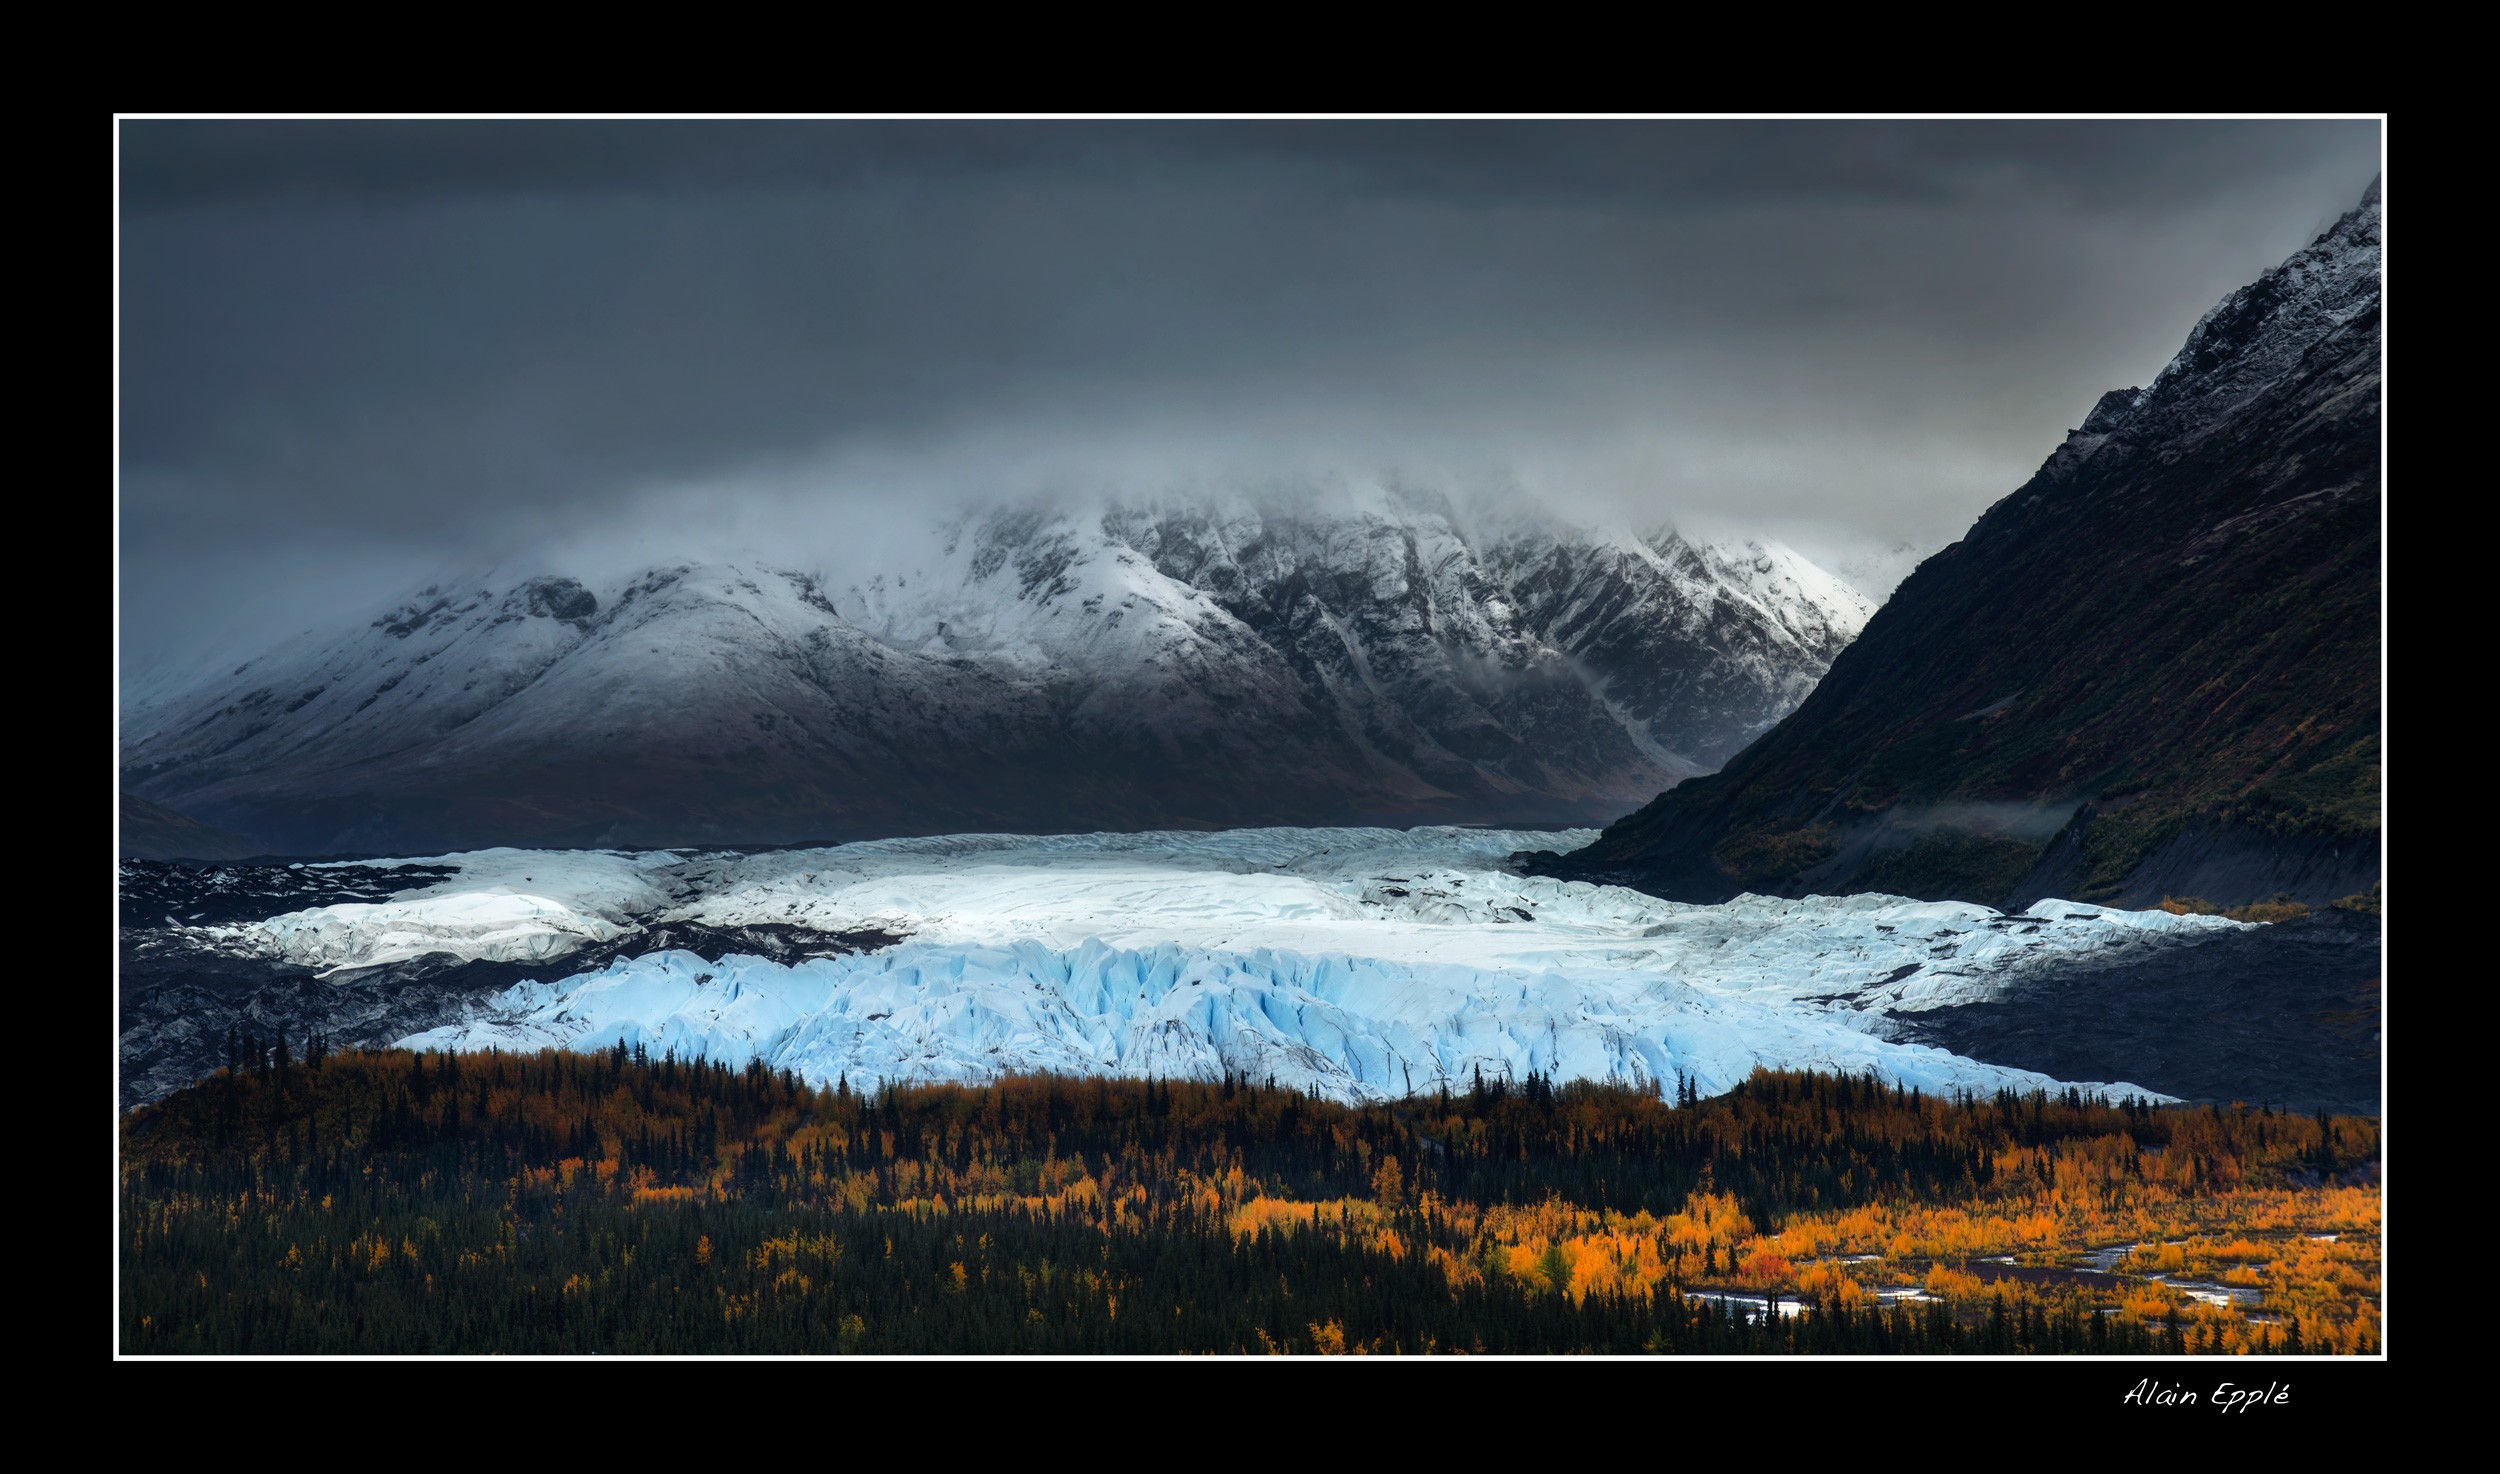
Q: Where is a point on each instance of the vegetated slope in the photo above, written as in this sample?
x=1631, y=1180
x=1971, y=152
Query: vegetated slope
x=1213, y=662
x=2153, y=670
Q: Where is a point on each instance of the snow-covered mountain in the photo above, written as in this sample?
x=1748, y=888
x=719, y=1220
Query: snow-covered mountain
x=1211, y=662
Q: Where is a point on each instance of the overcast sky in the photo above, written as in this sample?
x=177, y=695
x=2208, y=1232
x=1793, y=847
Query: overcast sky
x=354, y=354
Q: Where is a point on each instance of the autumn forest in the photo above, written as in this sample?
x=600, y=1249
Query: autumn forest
x=320, y=1201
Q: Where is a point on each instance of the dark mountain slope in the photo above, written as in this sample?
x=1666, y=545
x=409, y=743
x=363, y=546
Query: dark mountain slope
x=154, y=832
x=2154, y=669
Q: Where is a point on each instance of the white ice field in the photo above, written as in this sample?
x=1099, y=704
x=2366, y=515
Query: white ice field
x=1364, y=963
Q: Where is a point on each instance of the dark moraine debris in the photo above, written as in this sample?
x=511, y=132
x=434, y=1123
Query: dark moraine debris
x=182, y=989
x=221, y=895
x=2286, y=1014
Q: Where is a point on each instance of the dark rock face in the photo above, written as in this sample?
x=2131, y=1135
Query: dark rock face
x=1208, y=664
x=2151, y=670
x=560, y=598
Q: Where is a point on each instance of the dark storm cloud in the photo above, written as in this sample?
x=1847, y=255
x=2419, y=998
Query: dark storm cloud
x=351, y=349
x=1626, y=164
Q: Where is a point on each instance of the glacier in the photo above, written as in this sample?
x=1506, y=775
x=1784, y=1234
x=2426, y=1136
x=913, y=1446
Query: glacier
x=1362, y=964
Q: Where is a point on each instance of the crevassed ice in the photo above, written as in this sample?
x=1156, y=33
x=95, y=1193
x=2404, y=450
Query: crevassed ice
x=1354, y=1028
x=1355, y=961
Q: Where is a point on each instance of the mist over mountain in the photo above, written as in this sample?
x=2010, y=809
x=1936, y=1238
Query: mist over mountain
x=357, y=354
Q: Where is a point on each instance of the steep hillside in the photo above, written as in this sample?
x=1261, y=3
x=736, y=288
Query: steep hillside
x=2153, y=670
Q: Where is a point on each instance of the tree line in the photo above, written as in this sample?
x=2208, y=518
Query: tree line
x=322, y=1200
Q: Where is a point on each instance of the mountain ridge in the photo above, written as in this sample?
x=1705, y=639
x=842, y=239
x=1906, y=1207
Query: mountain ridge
x=1201, y=663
